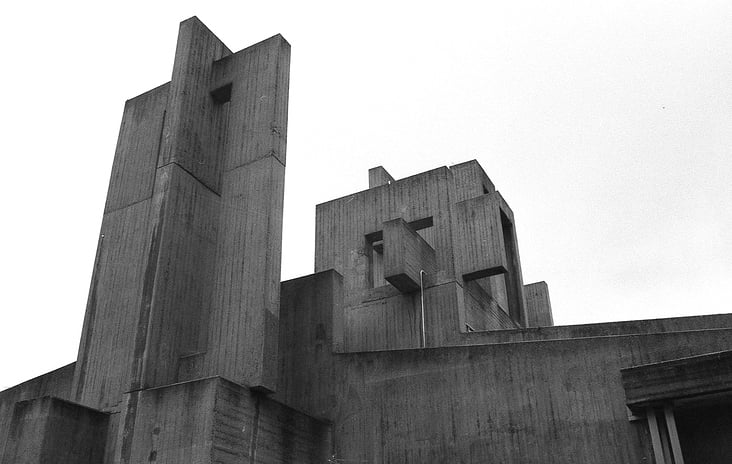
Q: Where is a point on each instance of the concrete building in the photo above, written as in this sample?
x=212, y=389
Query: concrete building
x=415, y=340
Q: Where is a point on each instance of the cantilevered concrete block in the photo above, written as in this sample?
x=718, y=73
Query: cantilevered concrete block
x=538, y=305
x=406, y=254
x=486, y=245
x=480, y=244
x=53, y=431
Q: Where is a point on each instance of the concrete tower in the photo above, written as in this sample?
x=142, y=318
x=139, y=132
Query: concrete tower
x=194, y=203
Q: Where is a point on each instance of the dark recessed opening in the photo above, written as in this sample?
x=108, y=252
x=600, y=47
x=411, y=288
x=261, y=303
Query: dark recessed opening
x=222, y=94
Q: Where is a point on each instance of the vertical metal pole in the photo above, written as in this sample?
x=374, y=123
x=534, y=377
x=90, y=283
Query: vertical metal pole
x=655, y=436
x=421, y=297
x=673, y=434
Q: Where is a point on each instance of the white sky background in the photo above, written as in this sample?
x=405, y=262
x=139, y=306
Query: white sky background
x=607, y=126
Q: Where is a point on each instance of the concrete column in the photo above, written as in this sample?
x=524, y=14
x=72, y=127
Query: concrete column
x=244, y=311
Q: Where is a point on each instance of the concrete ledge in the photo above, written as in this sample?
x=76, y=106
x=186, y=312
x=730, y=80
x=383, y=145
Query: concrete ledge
x=682, y=378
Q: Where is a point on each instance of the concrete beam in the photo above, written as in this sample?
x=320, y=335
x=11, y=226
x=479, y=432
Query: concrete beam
x=683, y=378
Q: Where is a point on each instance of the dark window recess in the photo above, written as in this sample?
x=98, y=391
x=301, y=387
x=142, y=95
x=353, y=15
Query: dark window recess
x=222, y=94
x=376, y=264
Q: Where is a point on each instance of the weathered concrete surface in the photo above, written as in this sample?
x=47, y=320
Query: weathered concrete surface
x=552, y=401
x=406, y=256
x=342, y=224
x=311, y=322
x=469, y=181
x=214, y=420
x=538, y=305
x=194, y=203
x=379, y=176
x=116, y=294
x=480, y=244
x=475, y=273
x=605, y=329
x=193, y=118
x=138, y=146
x=50, y=430
x=484, y=310
x=56, y=383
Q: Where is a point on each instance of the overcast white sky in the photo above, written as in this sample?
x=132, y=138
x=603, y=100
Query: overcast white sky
x=607, y=126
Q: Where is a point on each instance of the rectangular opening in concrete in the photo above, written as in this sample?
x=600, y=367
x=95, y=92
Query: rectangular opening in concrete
x=222, y=94
x=376, y=264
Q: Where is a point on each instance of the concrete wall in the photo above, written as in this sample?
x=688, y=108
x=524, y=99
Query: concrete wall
x=215, y=420
x=55, y=383
x=54, y=431
x=547, y=401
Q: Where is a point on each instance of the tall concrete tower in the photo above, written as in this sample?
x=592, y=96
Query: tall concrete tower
x=187, y=273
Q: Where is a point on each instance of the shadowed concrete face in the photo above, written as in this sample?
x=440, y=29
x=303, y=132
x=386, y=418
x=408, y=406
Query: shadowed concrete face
x=50, y=430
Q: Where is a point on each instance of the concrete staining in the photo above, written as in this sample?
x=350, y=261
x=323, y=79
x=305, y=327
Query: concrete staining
x=415, y=340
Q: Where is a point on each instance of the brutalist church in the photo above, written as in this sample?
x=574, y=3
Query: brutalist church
x=415, y=340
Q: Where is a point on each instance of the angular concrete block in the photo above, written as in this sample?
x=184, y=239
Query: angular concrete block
x=121, y=276
x=187, y=220
x=469, y=181
x=257, y=111
x=486, y=245
x=406, y=255
x=193, y=117
x=214, y=420
x=49, y=430
x=480, y=245
x=379, y=176
x=538, y=305
x=242, y=339
x=138, y=145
